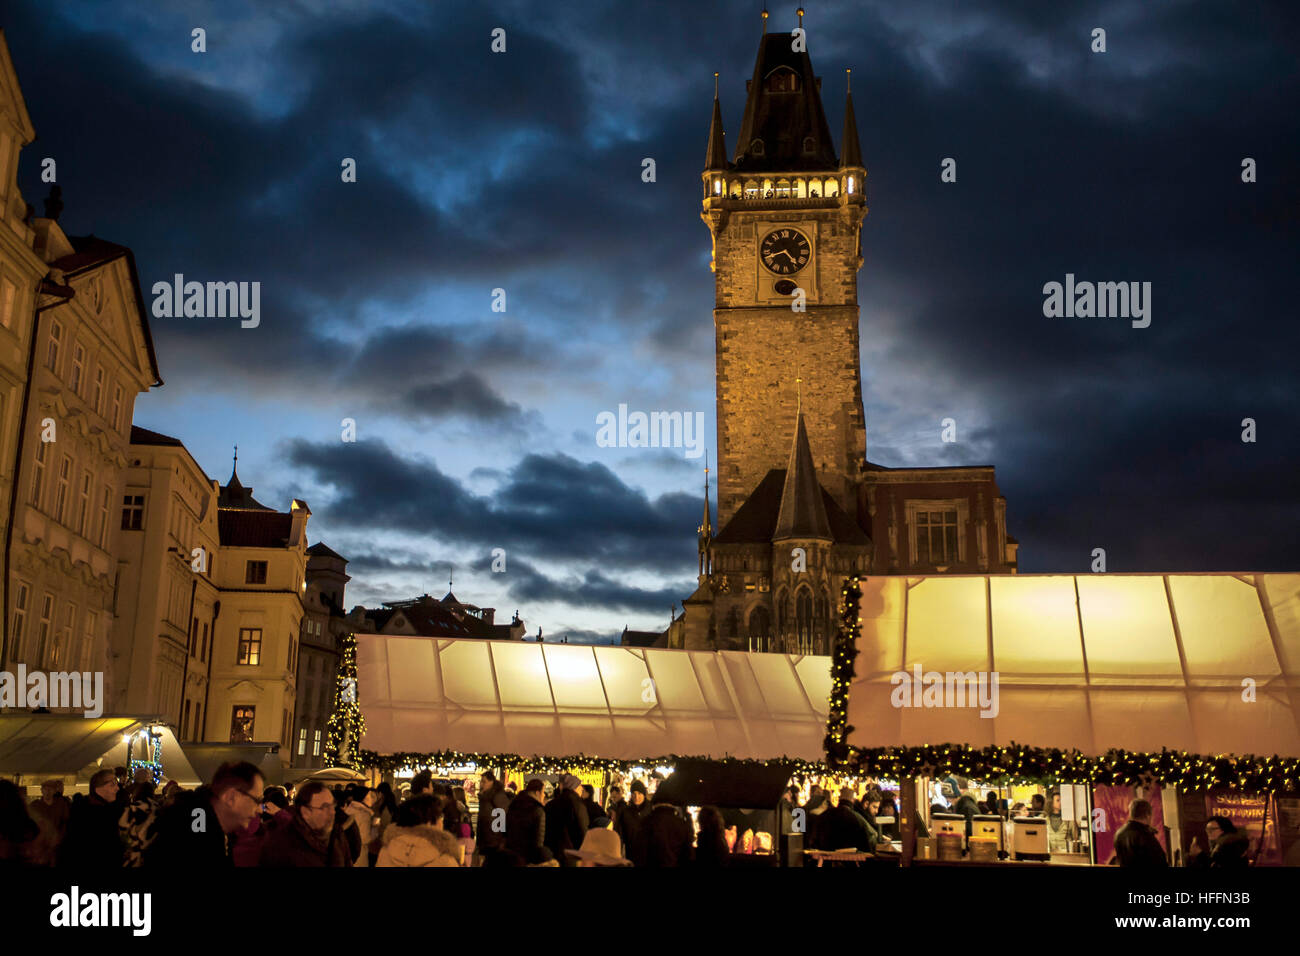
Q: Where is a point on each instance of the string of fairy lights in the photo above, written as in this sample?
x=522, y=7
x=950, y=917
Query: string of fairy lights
x=346, y=721
x=1001, y=765
x=1019, y=764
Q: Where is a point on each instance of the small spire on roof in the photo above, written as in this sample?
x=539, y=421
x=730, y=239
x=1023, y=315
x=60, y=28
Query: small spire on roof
x=715, y=84
x=765, y=19
x=800, y=14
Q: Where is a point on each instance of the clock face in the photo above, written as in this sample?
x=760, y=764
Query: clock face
x=785, y=251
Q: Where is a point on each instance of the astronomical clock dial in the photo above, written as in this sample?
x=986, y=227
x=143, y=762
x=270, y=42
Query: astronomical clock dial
x=785, y=251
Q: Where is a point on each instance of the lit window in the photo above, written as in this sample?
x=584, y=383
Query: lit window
x=850, y=185
x=717, y=187
x=302, y=741
x=315, y=745
x=250, y=646
x=241, y=725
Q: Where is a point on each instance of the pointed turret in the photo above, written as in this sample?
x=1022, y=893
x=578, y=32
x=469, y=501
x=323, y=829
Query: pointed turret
x=705, y=530
x=803, y=513
x=849, y=148
x=716, y=159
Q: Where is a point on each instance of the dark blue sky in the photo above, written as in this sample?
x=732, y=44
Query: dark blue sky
x=522, y=170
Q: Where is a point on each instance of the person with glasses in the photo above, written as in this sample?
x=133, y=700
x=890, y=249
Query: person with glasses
x=1229, y=848
x=196, y=831
x=312, y=839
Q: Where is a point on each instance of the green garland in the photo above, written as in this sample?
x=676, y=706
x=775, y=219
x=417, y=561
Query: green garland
x=555, y=765
x=346, y=721
x=1021, y=764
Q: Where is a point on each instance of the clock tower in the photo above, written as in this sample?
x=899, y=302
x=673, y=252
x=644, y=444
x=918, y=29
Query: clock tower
x=786, y=215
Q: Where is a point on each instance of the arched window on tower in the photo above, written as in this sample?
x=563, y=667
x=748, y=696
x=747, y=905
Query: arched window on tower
x=803, y=621
x=760, y=629
x=783, y=80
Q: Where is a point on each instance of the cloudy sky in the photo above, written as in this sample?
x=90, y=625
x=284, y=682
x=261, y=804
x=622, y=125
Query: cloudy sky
x=522, y=171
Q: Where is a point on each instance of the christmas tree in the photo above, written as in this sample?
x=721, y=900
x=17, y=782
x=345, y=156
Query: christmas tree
x=346, y=724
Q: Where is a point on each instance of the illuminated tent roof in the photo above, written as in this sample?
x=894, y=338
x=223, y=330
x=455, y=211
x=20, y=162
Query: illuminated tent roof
x=423, y=694
x=56, y=744
x=1133, y=661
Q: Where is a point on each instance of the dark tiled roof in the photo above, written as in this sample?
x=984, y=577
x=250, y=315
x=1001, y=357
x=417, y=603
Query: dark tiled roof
x=640, y=638
x=783, y=120
x=428, y=619
x=235, y=495
x=802, y=513
x=143, y=436
x=253, y=529
x=321, y=550
x=755, y=521
x=716, y=157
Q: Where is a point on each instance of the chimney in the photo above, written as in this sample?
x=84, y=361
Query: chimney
x=299, y=513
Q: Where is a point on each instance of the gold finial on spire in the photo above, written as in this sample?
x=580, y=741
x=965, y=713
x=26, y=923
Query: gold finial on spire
x=765, y=19
x=800, y=12
x=715, y=86
x=798, y=383
x=848, y=81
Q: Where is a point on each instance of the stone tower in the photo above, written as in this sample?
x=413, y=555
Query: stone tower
x=786, y=214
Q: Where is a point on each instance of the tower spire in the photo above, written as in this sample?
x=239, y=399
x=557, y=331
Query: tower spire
x=849, y=147
x=716, y=160
x=706, y=529
x=800, y=14
x=764, y=19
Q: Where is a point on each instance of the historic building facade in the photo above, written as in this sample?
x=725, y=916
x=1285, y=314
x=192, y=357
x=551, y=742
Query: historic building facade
x=167, y=598
x=800, y=507
x=324, y=625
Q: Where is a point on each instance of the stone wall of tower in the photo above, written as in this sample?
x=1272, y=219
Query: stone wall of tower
x=761, y=350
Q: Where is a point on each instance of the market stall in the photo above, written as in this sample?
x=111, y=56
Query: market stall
x=1174, y=684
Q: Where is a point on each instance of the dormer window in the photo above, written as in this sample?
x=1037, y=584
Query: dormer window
x=783, y=80
x=809, y=144
x=756, y=148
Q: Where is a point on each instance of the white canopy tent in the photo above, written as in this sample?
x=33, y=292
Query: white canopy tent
x=422, y=694
x=1132, y=661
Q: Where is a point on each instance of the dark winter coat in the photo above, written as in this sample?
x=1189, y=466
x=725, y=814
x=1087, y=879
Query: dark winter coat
x=176, y=845
x=1136, y=845
x=566, y=823
x=629, y=826
x=594, y=812
x=711, y=849
x=667, y=838
x=93, y=840
x=842, y=827
x=295, y=845
x=526, y=830
x=1229, y=852
x=486, y=839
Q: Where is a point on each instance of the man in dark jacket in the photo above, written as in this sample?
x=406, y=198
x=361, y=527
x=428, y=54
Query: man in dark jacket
x=842, y=827
x=94, y=839
x=526, y=825
x=491, y=797
x=631, y=821
x=566, y=819
x=667, y=838
x=616, y=805
x=312, y=839
x=1135, y=842
x=194, y=832
x=595, y=812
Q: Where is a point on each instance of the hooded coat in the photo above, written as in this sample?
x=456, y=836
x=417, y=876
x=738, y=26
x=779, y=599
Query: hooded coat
x=422, y=845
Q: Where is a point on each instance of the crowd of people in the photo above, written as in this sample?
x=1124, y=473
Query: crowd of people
x=236, y=820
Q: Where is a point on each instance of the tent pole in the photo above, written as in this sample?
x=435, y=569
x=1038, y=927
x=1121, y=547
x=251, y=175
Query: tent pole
x=907, y=825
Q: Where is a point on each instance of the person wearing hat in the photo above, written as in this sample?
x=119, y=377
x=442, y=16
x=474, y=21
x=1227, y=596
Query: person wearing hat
x=566, y=818
x=631, y=821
